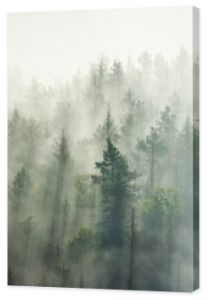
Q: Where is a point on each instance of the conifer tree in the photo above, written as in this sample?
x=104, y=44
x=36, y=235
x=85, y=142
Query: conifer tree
x=61, y=155
x=20, y=188
x=107, y=130
x=117, y=196
x=115, y=180
x=152, y=147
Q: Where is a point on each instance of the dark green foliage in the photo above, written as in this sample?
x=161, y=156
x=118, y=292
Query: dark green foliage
x=116, y=182
x=116, y=195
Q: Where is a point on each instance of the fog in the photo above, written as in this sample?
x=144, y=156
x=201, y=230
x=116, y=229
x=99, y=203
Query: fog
x=101, y=141
x=55, y=46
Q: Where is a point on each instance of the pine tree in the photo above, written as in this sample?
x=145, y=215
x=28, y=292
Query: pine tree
x=61, y=155
x=167, y=130
x=117, y=80
x=20, y=188
x=152, y=147
x=115, y=182
x=95, y=92
x=117, y=73
x=107, y=131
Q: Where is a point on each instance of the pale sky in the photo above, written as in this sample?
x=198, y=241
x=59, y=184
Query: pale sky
x=53, y=45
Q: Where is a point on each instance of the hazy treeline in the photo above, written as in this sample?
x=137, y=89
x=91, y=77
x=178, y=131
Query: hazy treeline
x=101, y=177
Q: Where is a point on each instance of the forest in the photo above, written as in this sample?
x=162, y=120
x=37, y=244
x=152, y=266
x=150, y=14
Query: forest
x=103, y=176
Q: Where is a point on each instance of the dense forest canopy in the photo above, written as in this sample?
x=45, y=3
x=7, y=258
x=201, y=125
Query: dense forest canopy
x=101, y=176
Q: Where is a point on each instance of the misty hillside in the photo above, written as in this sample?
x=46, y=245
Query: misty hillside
x=101, y=182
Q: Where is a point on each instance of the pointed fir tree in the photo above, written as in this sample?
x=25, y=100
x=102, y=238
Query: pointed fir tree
x=107, y=131
x=20, y=189
x=115, y=180
x=152, y=148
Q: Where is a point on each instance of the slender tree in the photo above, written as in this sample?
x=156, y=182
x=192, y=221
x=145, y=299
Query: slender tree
x=152, y=147
x=107, y=131
x=117, y=198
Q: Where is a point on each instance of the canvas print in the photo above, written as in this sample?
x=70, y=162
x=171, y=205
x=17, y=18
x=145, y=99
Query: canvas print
x=103, y=149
